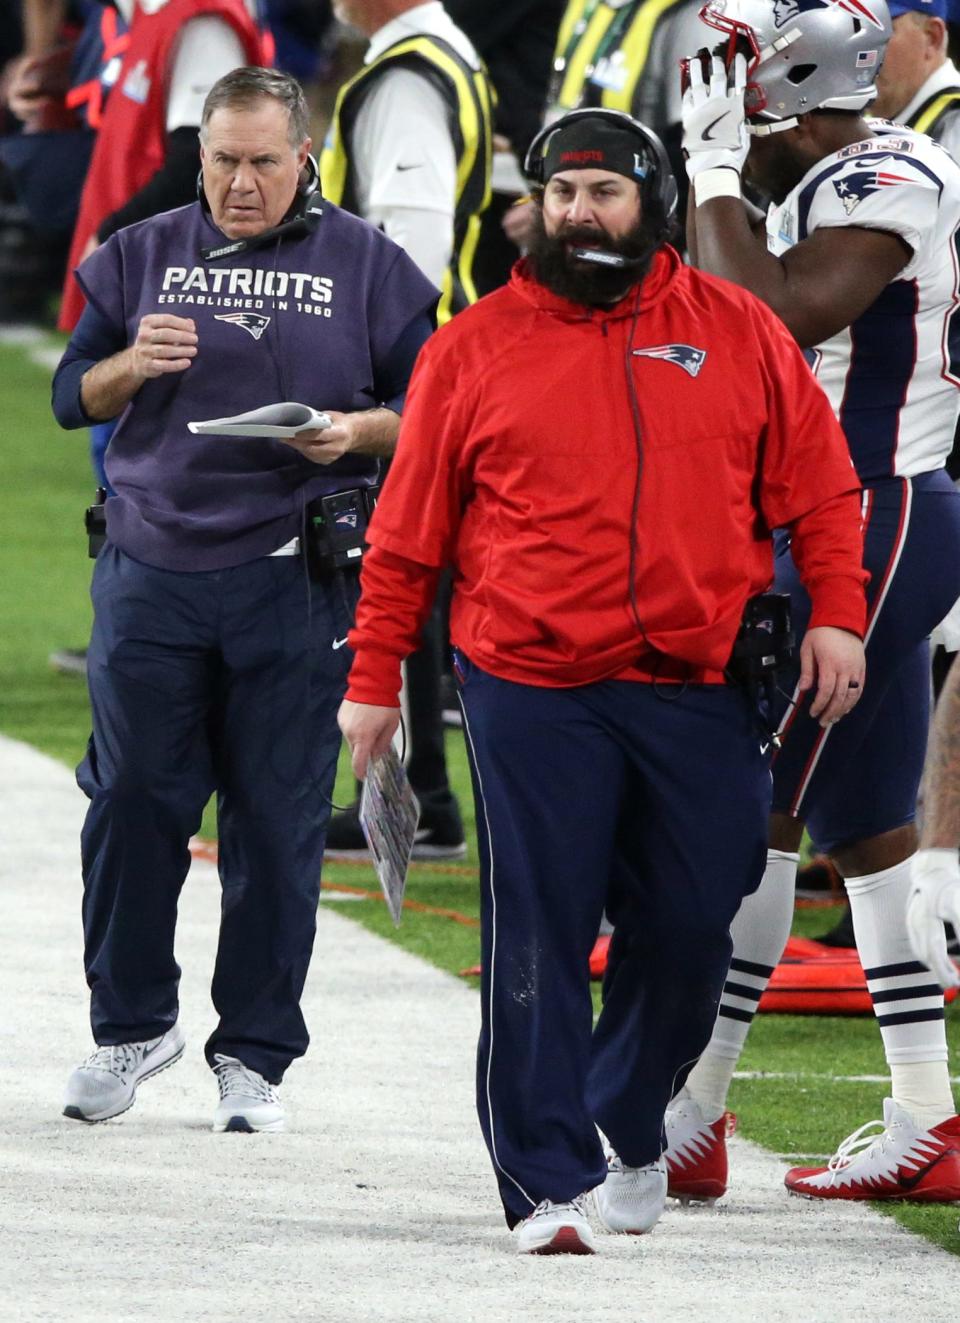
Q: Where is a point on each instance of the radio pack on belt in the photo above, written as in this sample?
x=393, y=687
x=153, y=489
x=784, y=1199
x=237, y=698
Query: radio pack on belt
x=95, y=522
x=765, y=641
x=764, y=645
x=336, y=530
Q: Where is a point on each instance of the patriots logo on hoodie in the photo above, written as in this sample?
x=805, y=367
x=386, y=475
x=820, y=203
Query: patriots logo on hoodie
x=254, y=322
x=685, y=356
x=852, y=189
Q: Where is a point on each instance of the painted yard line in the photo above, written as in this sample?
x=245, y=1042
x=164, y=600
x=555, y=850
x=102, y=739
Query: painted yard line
x=817, y=1075
x=43, y=349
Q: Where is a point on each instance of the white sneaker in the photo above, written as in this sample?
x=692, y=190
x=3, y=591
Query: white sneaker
x=247, y=1101
x=556, y=1229
x=106, y=1084
x=631, y=1199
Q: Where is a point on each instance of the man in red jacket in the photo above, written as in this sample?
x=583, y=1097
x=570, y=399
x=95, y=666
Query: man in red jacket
x=600, y=450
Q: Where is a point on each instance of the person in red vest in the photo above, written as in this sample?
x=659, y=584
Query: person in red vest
x=146, y=156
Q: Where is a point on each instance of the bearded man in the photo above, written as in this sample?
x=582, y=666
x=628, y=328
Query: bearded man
x=600, y=458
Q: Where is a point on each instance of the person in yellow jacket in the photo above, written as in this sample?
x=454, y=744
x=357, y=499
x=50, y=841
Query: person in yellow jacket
x=411, y=140
x=410, y=150
x=622, y=55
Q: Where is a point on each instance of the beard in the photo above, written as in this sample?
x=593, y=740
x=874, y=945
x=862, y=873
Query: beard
x=582, y=282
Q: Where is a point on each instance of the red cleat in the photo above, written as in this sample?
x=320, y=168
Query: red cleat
x=696, y=1152
x=900, y=1161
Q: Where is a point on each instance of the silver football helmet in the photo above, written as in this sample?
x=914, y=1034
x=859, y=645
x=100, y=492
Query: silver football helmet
x=803, y=55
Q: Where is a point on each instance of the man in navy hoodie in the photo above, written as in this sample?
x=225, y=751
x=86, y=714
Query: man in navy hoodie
x=217, y=661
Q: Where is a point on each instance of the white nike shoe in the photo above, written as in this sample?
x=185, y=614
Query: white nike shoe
x=631, y=1199
x=248, y=1102
x=106, y=1084
x=556, y=1229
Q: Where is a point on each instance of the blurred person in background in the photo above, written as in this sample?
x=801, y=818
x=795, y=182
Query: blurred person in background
x=918, y=84
x=934, y=899
x=146, y=155
x=410, y=150
x=45, y=148
x=621, y=55
x=516, y=42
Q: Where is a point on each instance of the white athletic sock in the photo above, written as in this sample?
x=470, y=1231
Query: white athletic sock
x=759, y=933
x=907, y=1000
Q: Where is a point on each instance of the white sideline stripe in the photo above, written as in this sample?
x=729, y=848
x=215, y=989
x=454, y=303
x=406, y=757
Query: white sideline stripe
x=816, y=1075
x=379, y=1204
x=42, y=349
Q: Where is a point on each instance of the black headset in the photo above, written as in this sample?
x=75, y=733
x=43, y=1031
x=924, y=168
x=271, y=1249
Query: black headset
x=658, y=187
x=302, y=217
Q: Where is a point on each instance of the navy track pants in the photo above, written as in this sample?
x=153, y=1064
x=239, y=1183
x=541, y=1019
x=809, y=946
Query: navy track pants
x=664, y=791
x=860, y=778
x=225, y=681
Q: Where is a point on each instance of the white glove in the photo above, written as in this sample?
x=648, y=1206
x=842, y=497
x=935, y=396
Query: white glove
x=934, y=900
x=714, y=127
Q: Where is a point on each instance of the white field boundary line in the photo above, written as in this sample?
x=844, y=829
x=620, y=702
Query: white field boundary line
x=43, y=349
x=817, y=1075
x=378, y=1205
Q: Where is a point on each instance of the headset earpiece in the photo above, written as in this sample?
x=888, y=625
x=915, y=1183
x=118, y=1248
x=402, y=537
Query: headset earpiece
x=311, y=184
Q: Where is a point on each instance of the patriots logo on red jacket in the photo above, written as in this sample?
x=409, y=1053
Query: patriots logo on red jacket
x=685, y=356
x=254, y=322
x=852, y=189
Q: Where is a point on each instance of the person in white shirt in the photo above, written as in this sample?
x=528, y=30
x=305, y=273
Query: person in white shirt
x=410, y=150
x=918, y=84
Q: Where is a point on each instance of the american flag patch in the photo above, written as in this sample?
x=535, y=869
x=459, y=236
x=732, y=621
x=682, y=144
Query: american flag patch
x=866, y=59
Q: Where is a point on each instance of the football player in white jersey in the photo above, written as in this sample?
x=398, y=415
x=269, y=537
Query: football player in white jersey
x=858, y=256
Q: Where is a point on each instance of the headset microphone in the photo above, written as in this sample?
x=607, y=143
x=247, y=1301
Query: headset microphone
x=614, y=261
x=307, y=212
x=305, y=223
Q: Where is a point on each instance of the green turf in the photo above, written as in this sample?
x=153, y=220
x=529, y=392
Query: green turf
x=44, y=605
x=43, y=588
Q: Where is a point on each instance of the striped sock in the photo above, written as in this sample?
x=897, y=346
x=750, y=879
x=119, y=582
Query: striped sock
x=760, y=933
x=907, y=1000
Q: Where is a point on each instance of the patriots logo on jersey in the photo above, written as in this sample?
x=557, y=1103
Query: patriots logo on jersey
x=346, y=519
x=685, y=356
x=254, y=322
x=852, y=189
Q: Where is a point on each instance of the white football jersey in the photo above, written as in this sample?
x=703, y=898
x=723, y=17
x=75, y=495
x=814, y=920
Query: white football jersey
x=893, y=375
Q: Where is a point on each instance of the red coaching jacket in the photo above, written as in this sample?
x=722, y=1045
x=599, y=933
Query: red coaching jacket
x=517, y=462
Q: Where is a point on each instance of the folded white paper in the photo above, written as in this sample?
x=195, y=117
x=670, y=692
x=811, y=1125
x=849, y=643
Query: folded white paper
x=389, y=814
x=286, y=419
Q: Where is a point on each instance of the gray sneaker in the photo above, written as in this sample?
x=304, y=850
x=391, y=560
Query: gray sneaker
x=106, y=1084
x=631, y=1199
x=248, y=1102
